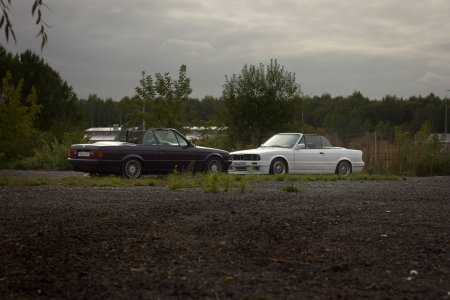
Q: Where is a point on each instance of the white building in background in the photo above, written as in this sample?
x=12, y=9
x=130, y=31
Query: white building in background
x=198, y=132
x=99, y=134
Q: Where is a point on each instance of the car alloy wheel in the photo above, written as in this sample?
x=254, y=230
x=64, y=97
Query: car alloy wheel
x=214, y=165
x=132, y=168
x=279, y=167
x=344, y=168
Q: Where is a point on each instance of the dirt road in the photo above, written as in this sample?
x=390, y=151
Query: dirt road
x=331, y=240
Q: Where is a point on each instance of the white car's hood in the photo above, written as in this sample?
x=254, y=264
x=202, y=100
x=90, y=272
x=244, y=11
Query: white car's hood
x=263, y=150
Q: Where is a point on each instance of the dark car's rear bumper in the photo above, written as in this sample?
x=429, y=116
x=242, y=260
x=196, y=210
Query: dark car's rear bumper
x=90, y=165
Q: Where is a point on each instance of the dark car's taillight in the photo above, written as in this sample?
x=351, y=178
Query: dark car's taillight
x=96, y=153
x=72, y=153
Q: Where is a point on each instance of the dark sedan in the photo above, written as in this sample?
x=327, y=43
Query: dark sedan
x=147, y=152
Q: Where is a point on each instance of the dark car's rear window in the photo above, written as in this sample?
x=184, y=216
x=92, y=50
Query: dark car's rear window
x=135, y=136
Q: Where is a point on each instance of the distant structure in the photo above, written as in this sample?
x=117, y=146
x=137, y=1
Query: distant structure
x=197, y=132
x=100, y=134
x=446, y=140
x=443, y=138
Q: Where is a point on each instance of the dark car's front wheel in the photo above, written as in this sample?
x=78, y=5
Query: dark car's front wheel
x=214, y=165
x=132, y=168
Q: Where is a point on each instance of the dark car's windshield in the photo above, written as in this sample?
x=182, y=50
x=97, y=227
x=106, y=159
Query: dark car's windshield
x=282, y=140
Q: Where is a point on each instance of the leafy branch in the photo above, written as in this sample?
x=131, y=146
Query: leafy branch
x=36, y=12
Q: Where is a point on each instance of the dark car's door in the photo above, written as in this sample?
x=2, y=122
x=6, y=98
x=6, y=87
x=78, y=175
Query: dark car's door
x=149, y=151
x=175, y=152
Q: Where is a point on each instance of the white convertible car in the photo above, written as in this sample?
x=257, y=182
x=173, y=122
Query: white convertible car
x=296, y=153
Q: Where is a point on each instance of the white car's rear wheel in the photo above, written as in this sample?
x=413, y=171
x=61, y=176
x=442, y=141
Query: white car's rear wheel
x=278, y=166
x=344, y=168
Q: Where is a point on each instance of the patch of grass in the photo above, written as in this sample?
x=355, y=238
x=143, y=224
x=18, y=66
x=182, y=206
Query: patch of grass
x=210, y=182
x=178, y=180
x=279, y=177
x=291, y=188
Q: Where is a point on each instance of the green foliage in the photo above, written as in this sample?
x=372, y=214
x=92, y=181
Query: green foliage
x=211, y=183
x=218, y=182
x=178, y=180
x=162, y=98
x=260, y=101
x=420, y=154
x=218, y=140
x=16, y=119
x=428, y=156
x=59, y=105
x=291, y=188
x=36, y=12
x=46, y=153
x=51, y=154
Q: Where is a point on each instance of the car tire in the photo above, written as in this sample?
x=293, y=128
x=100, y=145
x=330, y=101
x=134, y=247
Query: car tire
x=214, y=165
x=278, y=167
x=344, y=168
x=132, y=168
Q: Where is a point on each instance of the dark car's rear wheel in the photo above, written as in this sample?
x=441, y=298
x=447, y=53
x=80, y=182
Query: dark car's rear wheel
x=132, y=168
x=344, y=168
x=278, y=166
x=214, y=165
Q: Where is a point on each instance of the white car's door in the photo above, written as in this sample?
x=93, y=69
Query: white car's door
x=331, y=156
x=308, y=161
x=310, y=157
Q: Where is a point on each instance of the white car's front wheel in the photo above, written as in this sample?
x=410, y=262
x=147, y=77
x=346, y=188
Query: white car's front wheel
x=278, y=166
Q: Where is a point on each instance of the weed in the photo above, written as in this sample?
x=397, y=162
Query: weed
x=211, y=183
x=291, y=188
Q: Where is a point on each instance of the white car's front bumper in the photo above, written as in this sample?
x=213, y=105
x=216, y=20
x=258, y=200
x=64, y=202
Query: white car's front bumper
x=249, y=167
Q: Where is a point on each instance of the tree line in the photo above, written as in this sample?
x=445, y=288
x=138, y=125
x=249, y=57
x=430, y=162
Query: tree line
x=257, y=102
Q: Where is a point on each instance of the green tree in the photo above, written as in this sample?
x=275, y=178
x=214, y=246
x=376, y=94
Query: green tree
x=59, y=102
x=16, y=119
x=162, y=98
x=260, y=101
x=60, y=110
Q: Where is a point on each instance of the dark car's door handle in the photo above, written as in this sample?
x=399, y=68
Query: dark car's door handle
x=322, y=153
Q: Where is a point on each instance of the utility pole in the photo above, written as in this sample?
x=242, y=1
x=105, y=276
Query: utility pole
x=445, y=129
x=143, y=103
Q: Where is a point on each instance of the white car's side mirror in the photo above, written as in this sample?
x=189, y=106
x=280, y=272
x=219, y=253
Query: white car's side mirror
x=300, y=146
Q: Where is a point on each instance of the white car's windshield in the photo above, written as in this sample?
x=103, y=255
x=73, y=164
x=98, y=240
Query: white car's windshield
x=284, y=140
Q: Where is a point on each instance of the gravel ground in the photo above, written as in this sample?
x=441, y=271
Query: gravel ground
x=331, y=240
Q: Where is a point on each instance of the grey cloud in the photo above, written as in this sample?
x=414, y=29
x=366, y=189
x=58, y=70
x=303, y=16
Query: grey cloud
x=378, y=47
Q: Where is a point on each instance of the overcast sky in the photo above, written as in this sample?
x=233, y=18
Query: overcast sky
x=378, y=47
